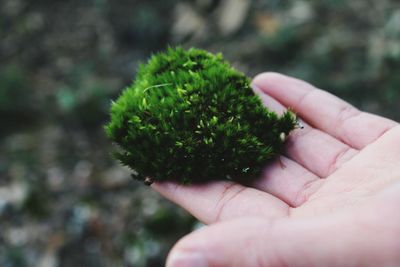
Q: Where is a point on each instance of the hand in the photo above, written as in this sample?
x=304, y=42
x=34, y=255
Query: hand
x=335, y=200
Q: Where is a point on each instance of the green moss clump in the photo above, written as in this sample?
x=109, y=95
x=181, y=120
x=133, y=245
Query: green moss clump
x=190, y=117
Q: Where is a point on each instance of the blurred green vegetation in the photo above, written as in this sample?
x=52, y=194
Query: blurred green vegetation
x=63, y=200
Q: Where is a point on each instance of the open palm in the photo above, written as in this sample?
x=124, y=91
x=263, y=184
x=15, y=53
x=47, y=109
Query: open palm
x=333, y=199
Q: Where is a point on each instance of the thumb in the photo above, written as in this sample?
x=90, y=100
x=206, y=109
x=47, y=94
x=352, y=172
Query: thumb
x=330, y=241
x=236, y=243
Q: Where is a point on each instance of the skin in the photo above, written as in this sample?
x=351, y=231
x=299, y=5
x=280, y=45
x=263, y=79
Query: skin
x=333, y=202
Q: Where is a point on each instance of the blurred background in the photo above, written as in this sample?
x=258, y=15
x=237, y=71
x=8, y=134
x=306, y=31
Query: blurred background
x=63, y=200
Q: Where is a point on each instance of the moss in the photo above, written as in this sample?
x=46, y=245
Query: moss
x=190, y=117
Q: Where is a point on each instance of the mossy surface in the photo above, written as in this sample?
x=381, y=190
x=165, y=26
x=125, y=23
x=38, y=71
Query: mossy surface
x=190, y=117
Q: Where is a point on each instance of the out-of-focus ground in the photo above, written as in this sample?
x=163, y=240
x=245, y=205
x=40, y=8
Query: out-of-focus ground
x=63, y=200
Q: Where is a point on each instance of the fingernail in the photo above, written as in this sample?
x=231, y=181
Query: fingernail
x=186, y=259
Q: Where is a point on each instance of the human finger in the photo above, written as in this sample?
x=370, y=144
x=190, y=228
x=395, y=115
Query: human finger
x=222, y=200
x=341, y=239
x=288, y=181
x=324, y=110
x=313, y=149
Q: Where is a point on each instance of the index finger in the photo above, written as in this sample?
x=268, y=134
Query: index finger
x=222, y=200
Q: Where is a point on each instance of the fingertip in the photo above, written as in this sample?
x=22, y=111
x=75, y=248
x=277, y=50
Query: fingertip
x=157, y=186
x=262, y=79
x=186, y=259
x=222, y=244
x=278, y=85
x=189, y=251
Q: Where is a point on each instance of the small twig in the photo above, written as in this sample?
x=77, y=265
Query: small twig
x=299, y=125
x=156, y=86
